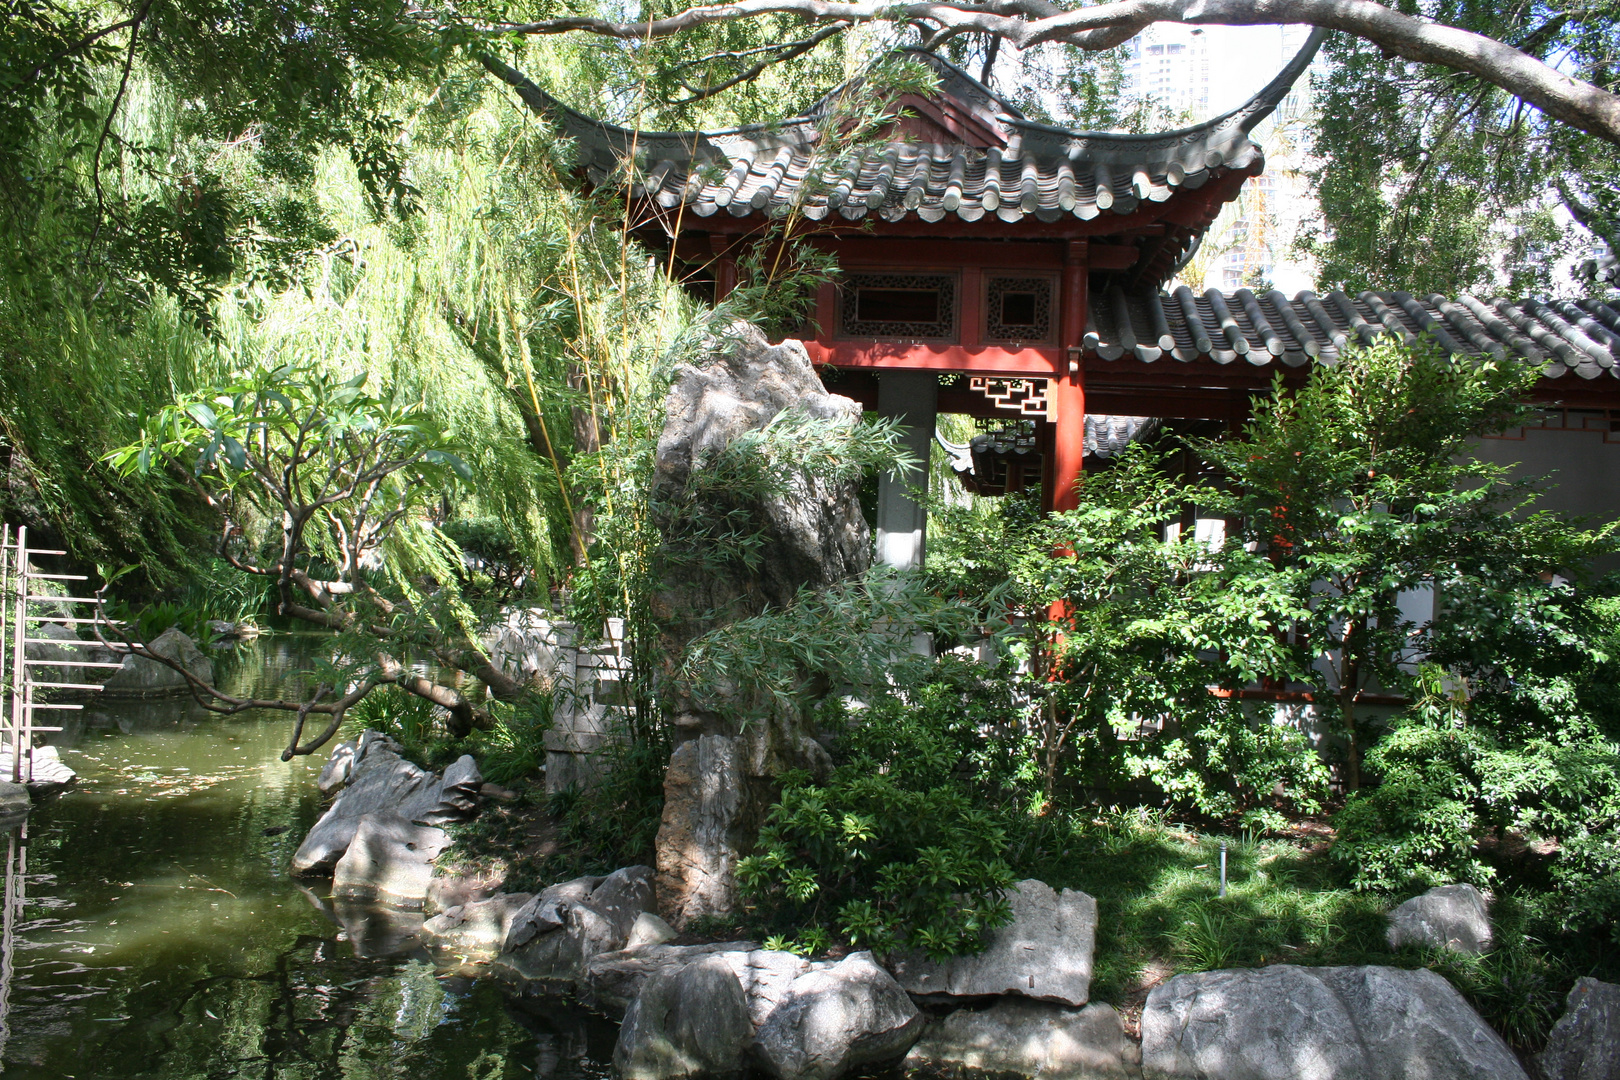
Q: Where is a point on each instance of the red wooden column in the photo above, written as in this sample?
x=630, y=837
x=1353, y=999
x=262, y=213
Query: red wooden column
x=1066, y=394
x=725, y=266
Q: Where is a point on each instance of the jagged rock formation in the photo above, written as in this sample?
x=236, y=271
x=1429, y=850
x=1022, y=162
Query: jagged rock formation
x=1585, y=1043
x=375, y=781
x=719, y=781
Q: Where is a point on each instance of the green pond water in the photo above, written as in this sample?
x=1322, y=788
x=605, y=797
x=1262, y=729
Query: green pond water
x=153, y=930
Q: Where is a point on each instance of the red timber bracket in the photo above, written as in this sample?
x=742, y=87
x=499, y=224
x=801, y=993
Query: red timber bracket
x=1066, y=395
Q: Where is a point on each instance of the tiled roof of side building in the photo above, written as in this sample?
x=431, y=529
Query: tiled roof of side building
x=1022, y=168
x=1570, y=336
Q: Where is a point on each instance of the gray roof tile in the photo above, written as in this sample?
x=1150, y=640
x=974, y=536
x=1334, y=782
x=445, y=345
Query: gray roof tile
x=1042, y=171
x=1581, y=336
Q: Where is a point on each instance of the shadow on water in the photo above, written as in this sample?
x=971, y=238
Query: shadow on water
x=151, y=930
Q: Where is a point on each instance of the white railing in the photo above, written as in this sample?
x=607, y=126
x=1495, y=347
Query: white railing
x=24, y=607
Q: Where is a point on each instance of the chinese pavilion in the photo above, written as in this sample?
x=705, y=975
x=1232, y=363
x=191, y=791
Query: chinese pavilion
x=1026, y=263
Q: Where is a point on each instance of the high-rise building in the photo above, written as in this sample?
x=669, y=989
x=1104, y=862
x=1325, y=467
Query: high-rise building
x=1169, y=63
x=1199, y=72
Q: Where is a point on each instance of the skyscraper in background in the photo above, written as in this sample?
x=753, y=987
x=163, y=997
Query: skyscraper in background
x=1197, y=72
x=1169, y=63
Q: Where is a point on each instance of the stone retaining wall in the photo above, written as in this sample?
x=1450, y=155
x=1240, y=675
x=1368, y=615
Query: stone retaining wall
x=590, y=698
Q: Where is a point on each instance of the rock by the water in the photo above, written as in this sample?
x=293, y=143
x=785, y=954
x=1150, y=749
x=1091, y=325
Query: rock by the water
x=43, y=772
x=1023, y=1038
x=373, y=779
x=389, y=860
x=649, y=929
x=689, y=1021
x=612, y=980
x=14, y=799
x=456, y=888
x=551, y=939
x=474, y=931
x=543, y=913
x=804, y=1020
x=836, y=1017
x=47, y=769
x=1449, y=917
x=1044, y=953
x=73, y=648
x=1585, y=1043
x=1331, y=1023
x=232, y=631
x=140, y=677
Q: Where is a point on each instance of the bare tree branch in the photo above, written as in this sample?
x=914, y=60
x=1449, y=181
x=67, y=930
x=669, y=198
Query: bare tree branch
x=1025, y=23
x=785, y=52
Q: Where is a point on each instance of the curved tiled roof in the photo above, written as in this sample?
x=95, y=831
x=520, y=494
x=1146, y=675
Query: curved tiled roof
x=1242, y=327
x=1026, y=168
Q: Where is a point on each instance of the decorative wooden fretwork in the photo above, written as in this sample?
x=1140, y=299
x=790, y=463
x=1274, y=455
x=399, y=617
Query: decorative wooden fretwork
x=1018, y=309
x=909, y=306
x=1027, y=397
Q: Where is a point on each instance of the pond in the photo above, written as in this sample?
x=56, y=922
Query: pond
x=152, y=930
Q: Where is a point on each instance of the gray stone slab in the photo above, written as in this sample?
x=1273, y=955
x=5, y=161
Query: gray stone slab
x=1018, y=1037
x=1332, y=1023
x=1044, y=953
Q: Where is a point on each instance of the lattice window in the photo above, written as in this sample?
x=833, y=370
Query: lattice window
x=1024, y=396
x=1018, y=309
x=898, y=306
x=1604, y=421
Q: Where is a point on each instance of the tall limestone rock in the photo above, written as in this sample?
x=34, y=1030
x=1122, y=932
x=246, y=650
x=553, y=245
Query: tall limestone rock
x=719, y=782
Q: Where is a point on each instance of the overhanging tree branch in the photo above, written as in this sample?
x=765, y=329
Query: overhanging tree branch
x=1026, y=23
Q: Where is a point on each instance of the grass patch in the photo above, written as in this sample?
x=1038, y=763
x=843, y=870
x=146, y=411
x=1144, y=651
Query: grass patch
x=1157, y=888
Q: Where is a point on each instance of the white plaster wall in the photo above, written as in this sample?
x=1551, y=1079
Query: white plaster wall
x=1582, y=470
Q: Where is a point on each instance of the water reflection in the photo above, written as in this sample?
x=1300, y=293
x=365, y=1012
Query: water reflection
x=150, y=929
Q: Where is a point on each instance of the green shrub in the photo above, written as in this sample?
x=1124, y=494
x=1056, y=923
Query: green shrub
x=902, y=846
x=890, y=867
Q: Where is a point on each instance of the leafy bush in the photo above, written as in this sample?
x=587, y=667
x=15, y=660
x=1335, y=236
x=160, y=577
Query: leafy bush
x=902, y=845
x=507, y=751
x=894, y=868
x=613, y=823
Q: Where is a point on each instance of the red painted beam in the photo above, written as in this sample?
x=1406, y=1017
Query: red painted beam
x=928, y=356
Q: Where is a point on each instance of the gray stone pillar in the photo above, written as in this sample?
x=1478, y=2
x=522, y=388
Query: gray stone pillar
x=902, y=522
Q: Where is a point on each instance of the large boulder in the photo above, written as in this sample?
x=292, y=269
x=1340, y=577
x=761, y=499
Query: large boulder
x=389, y=861
x=1044, y=953
x=1331, y=1023
x=1017, y=1037
x=63, y=667
x=837, y=1017
x=688, y=1021
x=817, y=532
x=613, y=980
x=552, y=938
x=373, y=779
x=1585, y=1043
x=1449, y=917
x=141, y=677
x=805, y=1020
x=716, y=796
